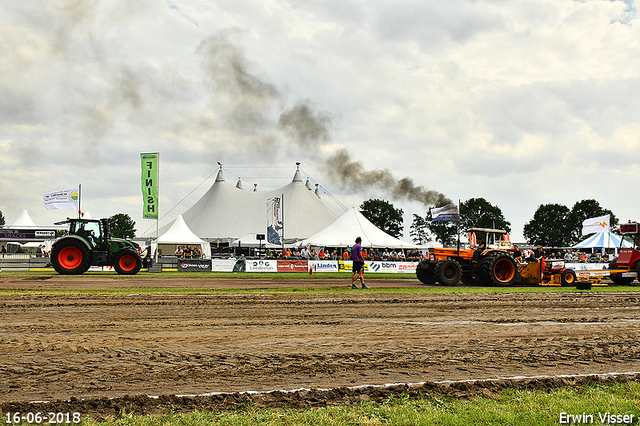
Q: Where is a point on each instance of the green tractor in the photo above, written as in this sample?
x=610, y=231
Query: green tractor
x=89, y=243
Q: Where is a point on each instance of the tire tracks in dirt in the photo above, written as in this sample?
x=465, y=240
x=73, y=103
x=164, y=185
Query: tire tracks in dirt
x=80, y=347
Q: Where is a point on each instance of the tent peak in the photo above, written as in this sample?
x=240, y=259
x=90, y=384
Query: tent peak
x=24, y=220
x=220, y=177
x=239, y=184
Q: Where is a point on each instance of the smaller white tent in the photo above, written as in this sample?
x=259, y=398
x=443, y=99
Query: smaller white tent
x=251, y=240
x=601, y=240
x=344, y=231
x=181, y=234
x=24, y=220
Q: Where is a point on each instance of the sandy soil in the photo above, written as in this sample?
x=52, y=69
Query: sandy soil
x=84, y=349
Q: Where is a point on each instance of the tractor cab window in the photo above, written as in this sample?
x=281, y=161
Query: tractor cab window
x=90, y=231
x=630, y=241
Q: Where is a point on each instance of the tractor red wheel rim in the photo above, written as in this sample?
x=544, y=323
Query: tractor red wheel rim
x=70, y=257
x=127, y=262
x=504, y=270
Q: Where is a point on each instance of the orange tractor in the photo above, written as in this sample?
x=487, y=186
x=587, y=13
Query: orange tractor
x=492, y=266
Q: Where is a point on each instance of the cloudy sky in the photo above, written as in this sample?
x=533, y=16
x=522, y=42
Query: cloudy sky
x=523, y=102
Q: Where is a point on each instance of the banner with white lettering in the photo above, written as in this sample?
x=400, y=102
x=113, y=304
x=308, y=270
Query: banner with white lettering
x=222, y=265
x=324, y=265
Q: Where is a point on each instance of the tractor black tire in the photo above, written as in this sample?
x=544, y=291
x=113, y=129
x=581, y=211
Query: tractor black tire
x=70, y=257
x=619, y=280
x=127, y=262
x=424, y=272
x=568, y=278
x=584, y=285
x=499, y=269
x=448, y=272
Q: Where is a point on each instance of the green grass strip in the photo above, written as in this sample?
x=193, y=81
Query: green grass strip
x=511, y=407
x=325, y=290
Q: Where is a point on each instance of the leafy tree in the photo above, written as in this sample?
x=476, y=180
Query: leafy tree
x=445, y=231
x=419, y=232
x=383, y=215
x=479, y=213
x=122, y=226
x=549, y=226
x=1, y=218
x=583, y=210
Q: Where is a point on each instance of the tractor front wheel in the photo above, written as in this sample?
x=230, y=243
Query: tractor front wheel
x=424, y=272
x=567, y=277
x=70, y=257
x=448, y=272
x=127, y=262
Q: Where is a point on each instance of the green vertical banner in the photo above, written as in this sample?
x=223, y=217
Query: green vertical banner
x=149, y=185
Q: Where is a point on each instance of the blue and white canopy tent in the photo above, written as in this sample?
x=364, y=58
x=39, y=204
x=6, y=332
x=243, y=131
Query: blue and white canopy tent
x=601, y=240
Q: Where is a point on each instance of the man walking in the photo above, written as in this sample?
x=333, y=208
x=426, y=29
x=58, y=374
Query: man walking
x=358, y=264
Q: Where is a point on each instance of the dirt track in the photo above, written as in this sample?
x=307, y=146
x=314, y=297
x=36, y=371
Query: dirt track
x=58, y=347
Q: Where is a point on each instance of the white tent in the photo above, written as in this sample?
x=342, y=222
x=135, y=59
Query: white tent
x=601, y=240
x=226, y=211
x=180, y=234
x=344, y=231
x=24, y=220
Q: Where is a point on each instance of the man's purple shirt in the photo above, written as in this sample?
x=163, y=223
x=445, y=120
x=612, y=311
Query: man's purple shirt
x=356, y=253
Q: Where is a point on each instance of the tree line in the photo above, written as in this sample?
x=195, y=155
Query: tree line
x=552, y=225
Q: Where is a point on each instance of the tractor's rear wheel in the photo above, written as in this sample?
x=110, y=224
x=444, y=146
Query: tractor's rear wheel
x=424, y=272
x=619, y=280
x=499, y=269
x=448, y=272
x=70, y=257
x=567, y=277
x=127, y=262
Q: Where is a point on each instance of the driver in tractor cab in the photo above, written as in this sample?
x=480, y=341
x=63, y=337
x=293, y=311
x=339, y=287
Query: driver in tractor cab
x=82, y=232
x=478, y=250
x=517, y=255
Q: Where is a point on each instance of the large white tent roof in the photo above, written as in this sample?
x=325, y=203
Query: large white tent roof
x=228, y=212
x=349, y=226
x=600, y=240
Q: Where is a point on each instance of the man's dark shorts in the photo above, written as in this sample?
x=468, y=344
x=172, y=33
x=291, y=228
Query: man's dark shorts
x=357, y=266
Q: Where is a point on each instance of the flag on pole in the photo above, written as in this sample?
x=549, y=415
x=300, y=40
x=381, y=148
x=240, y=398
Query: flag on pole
x=596, y=224
x=64, y=199
x=274, y=220
x=449, y=212
x=149, y=185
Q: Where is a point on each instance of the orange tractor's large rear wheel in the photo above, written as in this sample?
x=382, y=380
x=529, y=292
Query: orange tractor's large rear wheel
x=499, y=269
